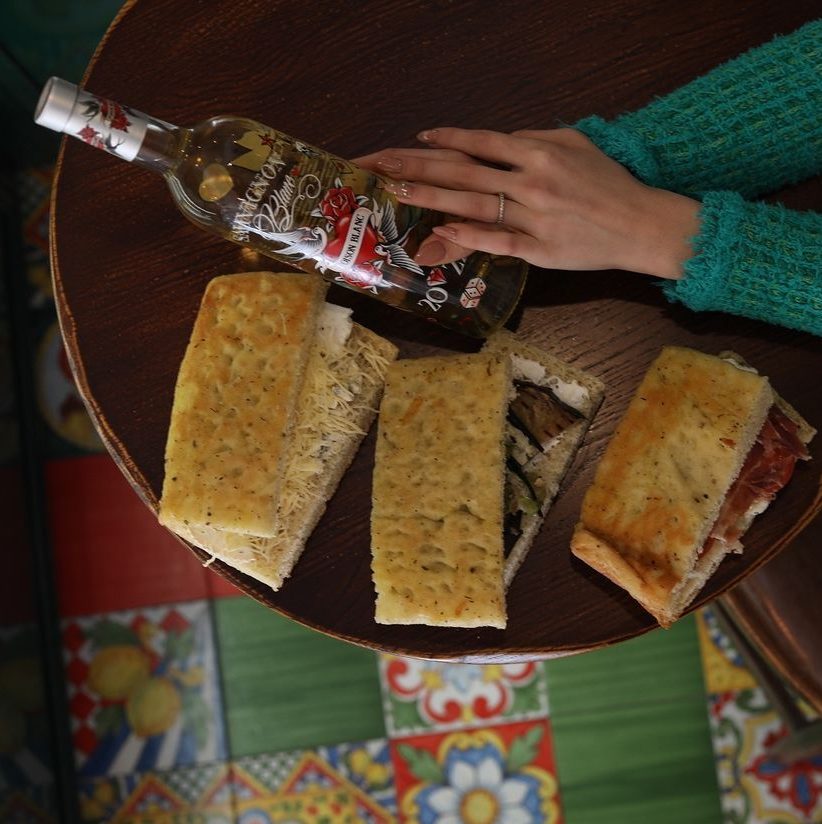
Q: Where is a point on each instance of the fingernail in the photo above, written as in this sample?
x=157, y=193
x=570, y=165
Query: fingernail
x=400, y=190
x=445, y=231
x=392, y=165
x=428, y=136
x=430, y=253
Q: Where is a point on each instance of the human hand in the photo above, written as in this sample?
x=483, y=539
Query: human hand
x=567, y=205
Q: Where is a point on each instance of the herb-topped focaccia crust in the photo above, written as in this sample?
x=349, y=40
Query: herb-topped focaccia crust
x=245, y=362
x=303, y=422
x=664, y=475
x=436, y=524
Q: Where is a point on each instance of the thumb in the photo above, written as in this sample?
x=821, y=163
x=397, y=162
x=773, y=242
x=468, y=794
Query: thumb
x=435, y=251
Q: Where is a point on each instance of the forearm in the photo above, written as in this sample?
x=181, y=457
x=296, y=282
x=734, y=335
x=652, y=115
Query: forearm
x=756, y=260
x=751, y=125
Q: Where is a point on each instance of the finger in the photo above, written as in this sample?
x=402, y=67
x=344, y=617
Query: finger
x=370, y=161
x=494, y=240
x=470, y=177
x=437, y=251
x=495, y=147
x=470, y=205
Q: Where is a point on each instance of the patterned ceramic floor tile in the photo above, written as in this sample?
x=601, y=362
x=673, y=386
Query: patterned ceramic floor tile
x=367, y=765
x=33, y=805
x=25, y=756
x=722, y=666
x=68, y=429
x=143, y=689
x=345, y=783
x=505, y=773
x=288, y=687
x=755, y=788
x=110, y=553
x=58, y=399
x=199, y=794
x=421, y=696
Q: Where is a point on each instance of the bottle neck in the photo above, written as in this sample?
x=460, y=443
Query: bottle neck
x=105, y=124
x=159, y=150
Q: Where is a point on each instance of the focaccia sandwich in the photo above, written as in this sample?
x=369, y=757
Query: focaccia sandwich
x=275, y=392
x=703, y=448
x=471, y=450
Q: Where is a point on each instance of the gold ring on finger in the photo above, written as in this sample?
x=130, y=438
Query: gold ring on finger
x=501, y=208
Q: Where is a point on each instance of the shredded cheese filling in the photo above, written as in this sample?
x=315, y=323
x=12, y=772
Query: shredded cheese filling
x=329, y=406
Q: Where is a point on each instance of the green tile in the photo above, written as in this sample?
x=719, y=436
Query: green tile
x=647, y=762
x=659, y=666
x=288, y=687
x=631, y=732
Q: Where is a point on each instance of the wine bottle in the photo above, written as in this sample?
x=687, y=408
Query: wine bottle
x=298, y=204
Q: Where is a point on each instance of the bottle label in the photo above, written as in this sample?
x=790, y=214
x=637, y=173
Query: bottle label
x=107, y=125
x=350, y=227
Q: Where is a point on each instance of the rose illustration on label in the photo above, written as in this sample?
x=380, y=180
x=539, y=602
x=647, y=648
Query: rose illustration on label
x=114, y=115
x=92, y=137
x=364, y=239
x=338, y=203
x=107, y=117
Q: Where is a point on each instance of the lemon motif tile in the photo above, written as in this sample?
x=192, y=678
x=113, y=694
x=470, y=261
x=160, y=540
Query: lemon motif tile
x=143, y=689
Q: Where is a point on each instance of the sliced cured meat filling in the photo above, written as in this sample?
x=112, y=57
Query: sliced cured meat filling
x=767, y=469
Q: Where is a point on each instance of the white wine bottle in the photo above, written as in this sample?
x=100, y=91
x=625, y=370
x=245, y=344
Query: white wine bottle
x=298, y=204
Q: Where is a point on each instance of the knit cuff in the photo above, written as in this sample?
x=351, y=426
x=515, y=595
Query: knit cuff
x=756, y=260
x=623, y=145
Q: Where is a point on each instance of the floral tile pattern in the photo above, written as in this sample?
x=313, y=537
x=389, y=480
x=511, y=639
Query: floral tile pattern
x=143, y=689
x=367, y=765
x=498, y=774
x=201, y=793
x=420, y=696
x=755, y=787
x=334, y=785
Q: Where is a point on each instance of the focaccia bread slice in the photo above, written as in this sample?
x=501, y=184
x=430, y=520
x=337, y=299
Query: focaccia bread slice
x=436, y=522
x=663, y=477
x=342, y=389
x=544, y=467
x=234, y=401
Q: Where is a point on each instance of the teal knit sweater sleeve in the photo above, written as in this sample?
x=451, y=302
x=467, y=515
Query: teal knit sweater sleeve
x=756, y=260
x=750, y=126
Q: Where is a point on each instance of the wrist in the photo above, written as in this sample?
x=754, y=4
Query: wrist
x=668, y=225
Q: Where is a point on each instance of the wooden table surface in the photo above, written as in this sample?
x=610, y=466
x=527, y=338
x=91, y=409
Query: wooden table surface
x=353, y=77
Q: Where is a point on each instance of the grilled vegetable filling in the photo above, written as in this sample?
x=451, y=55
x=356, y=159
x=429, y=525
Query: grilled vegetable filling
x=536, y=420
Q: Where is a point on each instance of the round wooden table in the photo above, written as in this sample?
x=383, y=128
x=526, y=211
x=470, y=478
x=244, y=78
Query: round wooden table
x=129, y=270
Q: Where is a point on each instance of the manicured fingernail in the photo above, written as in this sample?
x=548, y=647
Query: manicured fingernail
x=445, y=231
x=428, y=136
x=401, y=190
x=392, y=165
x=430, y=253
